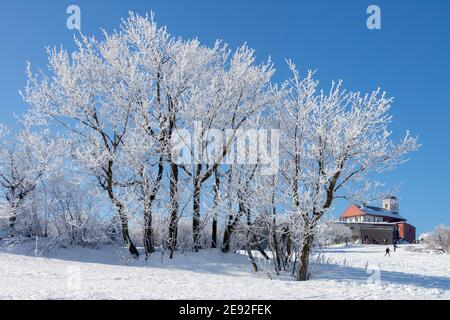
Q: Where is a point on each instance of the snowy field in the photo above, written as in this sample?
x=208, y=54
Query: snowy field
x=354, y=272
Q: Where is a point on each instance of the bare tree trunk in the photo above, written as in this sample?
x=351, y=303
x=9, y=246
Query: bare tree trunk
x=15, y=205
x=214, y=234
x=148, y=202
x=12, y=224
x=173, y=224
x=124, y=226
x=231, y=226
x=226, y=235
x=121, y=211
x=309, y=227
x=302, y=274
x=12, y=219
x=173, y=187
x=149, y=197
x=259, y=248
x=287, y=243
x=226, y=238
x=248, y=247
x=148, y=229
x=248, y=244
x=127, y=238
x=275, y=248
x=215, y=204
x=196, y=208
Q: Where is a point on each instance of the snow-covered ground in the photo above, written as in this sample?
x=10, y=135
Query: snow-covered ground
x=355, y=272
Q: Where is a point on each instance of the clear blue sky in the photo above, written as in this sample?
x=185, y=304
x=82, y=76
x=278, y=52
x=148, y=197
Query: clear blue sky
x=409, y=58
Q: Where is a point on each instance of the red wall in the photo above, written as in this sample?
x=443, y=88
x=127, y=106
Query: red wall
x=407, y=231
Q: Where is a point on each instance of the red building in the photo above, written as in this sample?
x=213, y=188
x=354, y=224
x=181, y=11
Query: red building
x=378, y=225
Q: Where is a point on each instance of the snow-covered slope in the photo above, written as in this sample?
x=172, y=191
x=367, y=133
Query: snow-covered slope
x=356, y=272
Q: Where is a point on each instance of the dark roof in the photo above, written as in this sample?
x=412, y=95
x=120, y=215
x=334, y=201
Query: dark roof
x=390, y=197
x=376, y=211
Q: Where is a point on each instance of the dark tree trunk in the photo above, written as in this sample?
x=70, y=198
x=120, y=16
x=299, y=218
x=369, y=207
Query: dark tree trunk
x=215, y=204
x=275, y=248
x=229, y=230
x=12, y=224
x=248, y=242
x=226, y=238
x=127, y=238
x=231, y=225
x=173, y=223
x=287, y=243
x=148, y=202
x=214, y=234
x=173, y=186
x=257, y=244
x=196, y=208
x=150, y=196
x=15, y=205
x=226, y=235
x=248, y=247
x=275, y=245
x=148, y=230
x=124, y=226
x=260, y=249
x=121, y=211
x=302, y=274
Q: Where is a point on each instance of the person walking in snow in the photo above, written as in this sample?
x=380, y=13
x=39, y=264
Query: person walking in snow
x=395, y=246
x=387, y=252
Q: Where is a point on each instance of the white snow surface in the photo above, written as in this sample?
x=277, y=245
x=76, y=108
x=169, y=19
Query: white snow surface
x=353, y=272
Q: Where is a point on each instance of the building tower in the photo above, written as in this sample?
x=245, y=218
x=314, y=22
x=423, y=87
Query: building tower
x=391, y=203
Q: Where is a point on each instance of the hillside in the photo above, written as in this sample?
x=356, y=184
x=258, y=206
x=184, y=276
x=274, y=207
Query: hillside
x=411, y=273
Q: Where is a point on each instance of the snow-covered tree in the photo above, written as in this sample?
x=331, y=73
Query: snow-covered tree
x=221, y=108
x=439, y=239
x=93, y=94
x=25, y=157
x=332, y=141
x=330, y=232
x=119, y=106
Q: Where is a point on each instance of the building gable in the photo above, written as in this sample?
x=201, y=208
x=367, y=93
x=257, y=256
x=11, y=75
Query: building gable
x=352, y=211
